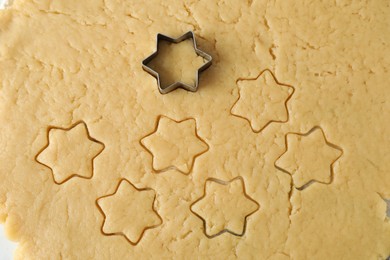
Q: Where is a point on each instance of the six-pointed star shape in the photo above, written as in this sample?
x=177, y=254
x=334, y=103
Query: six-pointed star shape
x=174, y=145
x=70, y=152
x=224, y=207
x=207, y=59
x=129, y=212
x=309, y=158
x=262, y=100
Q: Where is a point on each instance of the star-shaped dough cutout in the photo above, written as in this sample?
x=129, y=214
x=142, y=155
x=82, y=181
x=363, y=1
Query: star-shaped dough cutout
x=174, y=145
x=224, y=207
x=177, y=63
x=70, y=152
x=129, y=212
x=262, y=100
x=309, y=158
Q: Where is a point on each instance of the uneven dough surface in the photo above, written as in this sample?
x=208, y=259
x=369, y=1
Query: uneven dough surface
x=282, y=153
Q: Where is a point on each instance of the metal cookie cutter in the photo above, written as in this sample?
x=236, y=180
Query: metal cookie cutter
x=177, y=84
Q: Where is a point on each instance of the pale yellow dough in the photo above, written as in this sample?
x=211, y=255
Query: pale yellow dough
x=282, y=153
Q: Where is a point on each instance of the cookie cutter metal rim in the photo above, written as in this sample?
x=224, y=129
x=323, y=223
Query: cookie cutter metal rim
x=177, y=84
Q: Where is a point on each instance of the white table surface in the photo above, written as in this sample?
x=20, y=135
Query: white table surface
x=6, y=247
x=2, y=3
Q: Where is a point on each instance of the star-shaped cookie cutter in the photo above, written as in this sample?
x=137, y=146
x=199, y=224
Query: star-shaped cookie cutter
x=177, y=84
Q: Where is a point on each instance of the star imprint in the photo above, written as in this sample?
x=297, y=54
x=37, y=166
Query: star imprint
x=309, y=158
x=128, y=212
x=262, y=100
x=174, y=145
x=224, y=207
x=70, y=152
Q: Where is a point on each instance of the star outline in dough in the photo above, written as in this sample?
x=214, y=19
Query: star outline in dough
x=178, y=84
x=89, y=137
x=173, y=167
x=121, y=233
x=387, y=202
x=225, y=230
x=310, y=182
x=284, y=103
